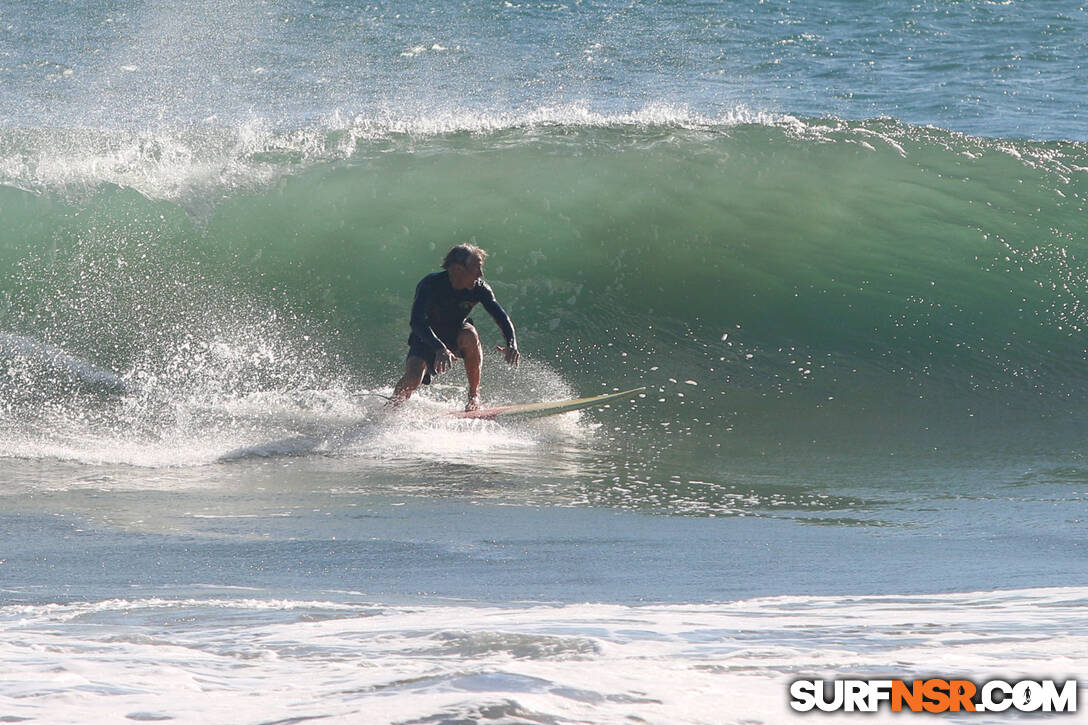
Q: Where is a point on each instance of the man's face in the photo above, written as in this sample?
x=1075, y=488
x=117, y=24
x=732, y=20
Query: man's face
x=464, y=276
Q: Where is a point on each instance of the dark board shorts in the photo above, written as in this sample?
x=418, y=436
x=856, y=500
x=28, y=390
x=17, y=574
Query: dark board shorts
x=416, y=348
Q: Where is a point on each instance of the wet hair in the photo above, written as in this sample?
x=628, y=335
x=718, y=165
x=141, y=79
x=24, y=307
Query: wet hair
x=461, y=253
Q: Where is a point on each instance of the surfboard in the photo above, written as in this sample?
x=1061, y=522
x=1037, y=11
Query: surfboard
x=539, y=410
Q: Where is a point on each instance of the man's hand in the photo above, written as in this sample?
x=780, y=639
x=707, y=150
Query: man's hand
x=513, y=357
x=443, y=360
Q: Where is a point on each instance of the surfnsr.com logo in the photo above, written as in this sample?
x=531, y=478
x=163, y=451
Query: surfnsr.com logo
x=934, y=695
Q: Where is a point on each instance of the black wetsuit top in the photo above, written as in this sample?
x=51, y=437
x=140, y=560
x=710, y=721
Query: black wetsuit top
x=439, y=313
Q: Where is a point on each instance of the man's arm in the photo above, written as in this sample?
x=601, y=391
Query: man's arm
x=498, y=314
x=421, y=311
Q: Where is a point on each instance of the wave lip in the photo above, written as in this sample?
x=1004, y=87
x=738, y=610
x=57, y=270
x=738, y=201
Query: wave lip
x=172, y=164
x=181, y=163
x=198, y=164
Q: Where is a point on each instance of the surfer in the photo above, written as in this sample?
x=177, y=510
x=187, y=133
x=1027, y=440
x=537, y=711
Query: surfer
x=442, y=331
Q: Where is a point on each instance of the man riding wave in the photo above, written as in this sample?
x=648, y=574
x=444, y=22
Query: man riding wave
x=442, y=331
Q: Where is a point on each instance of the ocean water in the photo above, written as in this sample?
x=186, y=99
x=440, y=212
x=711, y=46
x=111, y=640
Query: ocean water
x=841, y=244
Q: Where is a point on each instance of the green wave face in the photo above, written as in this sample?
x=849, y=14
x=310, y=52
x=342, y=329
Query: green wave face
x=773, y=274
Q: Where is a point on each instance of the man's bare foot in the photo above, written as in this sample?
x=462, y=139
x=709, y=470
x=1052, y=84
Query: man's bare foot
x=473, y=403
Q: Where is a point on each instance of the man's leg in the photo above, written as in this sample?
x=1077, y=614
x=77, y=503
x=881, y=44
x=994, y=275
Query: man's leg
x=414, y=370
x=468, y=344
